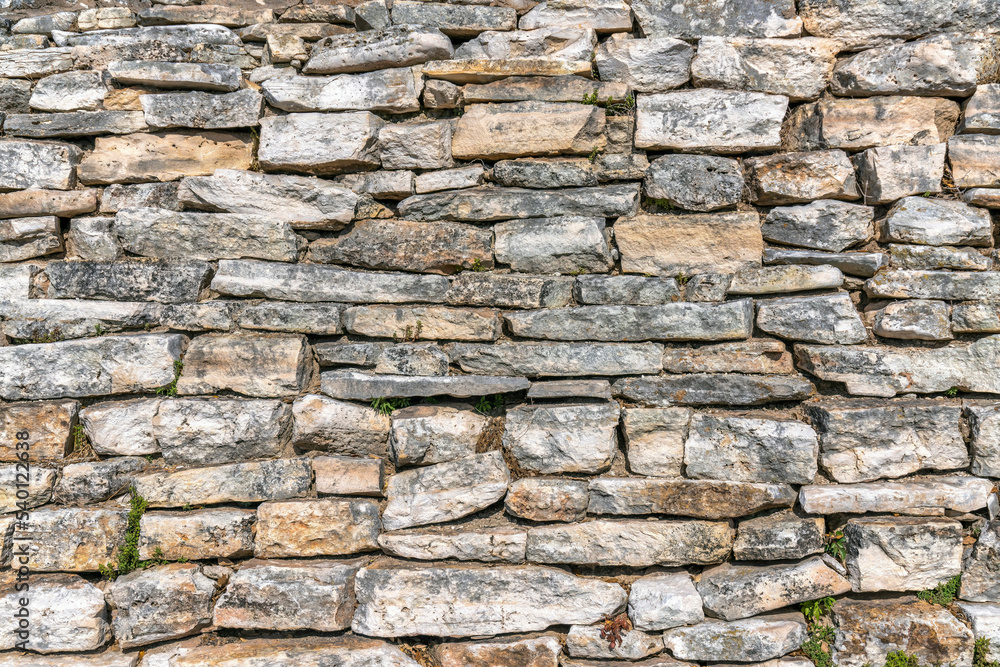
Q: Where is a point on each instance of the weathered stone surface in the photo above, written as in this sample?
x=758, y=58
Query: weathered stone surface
x=163, y=234
x=184, y=37
x=449, y=179
x=693, y=19
x=316, y=527
x=973, y=317
x=197, y=535
x=944, y=65
x=713, y=389
x=51, y=426
x=34, y=202
x=304, y=203
x=391, y=91
x=74, y=124
x=814, y=319
x=312, y=283
x=163, y=281
x=541, y=651
x=35, y=63
x=307, y=318
x=187, y=76
x=699, y=499
x=763, y=355
x=320, y=143
x=562, y=88
x=164, y=602
x=454, y=20
x=604, y=16
x=781, y=279
x=380, y=185
x=986, y=197
x=348, y=476
x=548, y=499
x=231, y=17
x=651, y=65
x=661, y=601
x=918, y=496
x=922, y=257
x=465, y=601
x=695, y=182
x=863, y=264
x=984, y=430
x=364, y=387
x=589, y=642
x=510, y=290
x=888, y=173
x=250, y=364
x=554, y=245
x=654, y=439
x=902, y=553
x=136, y=158
x=38, y=165
x=877, y=371
x=732, y=592
x=349, y=651
x=312, y=31
x=419, y=322
x=429, y=247
x=479, y=71
x=946, y=285
x=781, y=535
x=631, y=543
x=73, y=539
x=67, y=614
x=139, y=195
x=792, y=178
x=93, y=482
x=252, y=482
x=489, y=204
x=24, y=238
x=797, y=68
x=92, y=367
x=412, y=359
x=555, y=43
x=689, y=244
x=202, y=110
x=288, y=595
x=629, y=290
x=205, y=316
x=868, y=630
x=981, y=578
x=742, y=449
x=395, y=46
x=420, y=145
x=924, y=221
x=985, y=622
x=973, y=160
x=980, y=112
x=527, y=128
x=94, y=239
x=425, y=434
x=747, y=640
x=487, y=545
x=445, y=491
x=823, y=225
x=859, y=124
x=913, y=320
x=70, y=91
x=710, y=121
x=566, y=438
x=555, y=359
x=35, y=485
x=121, y=427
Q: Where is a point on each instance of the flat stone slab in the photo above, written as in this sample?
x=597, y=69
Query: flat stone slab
x=564, y=438
x=38, y=165
x=587, y=642
x=390, y=91
x=746, y=640
x=781, y=535
x=864, y=264
x=500, y=131
x=491, y=204
x=173, y=281
x=316, y=527
x=362, y=386
x=823, y=225
x=699, y=499
x=202, y=110
x=902, y=553
x=317, y=143
x=189, y=76
x=465, y=601
x=713, y=389
x=69, y=615
x=533, y=359
x=925, y=221
x=981, y=578
x=547, y=499
x=262, y=365
x=693, y=19
x=663, y=600
x=829, y=318
x=197, y=535
x=486, y=545
x=74, y=124
x=543, y=651
x=349, y=651
x=917, y=496
x=888, y=173
x=392, y=46
x=233, y=483
x=795, y=178
x=756, y=356
x=695, y=182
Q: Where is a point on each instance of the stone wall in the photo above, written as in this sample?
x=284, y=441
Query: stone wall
x=501, y=334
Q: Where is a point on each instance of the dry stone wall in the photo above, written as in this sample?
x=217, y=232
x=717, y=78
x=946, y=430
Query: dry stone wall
x=499, y=334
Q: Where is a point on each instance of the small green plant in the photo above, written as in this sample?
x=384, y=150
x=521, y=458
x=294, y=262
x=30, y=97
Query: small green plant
x=477, y=265
x=489, y=403
x=81, y=443
x=900, y=659
x=157, y=559
x=836, y=545
x=410, y=333
x=977, y=530
x=682, y=279
x=658, y=203
x=592, y=98
x=980, y=651
x=386, y=406
x=128, y=552
x=99, y=330
x=817, y=609
x=593, y=154
x=952, y=393
x=944, y=593
x=171, y=389
x=624, y=108
x=816, y=647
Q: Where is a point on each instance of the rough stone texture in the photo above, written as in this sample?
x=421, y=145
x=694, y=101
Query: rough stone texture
x=793, y=178
x=654, y=439
x=902, y=553
x=253, y=365
x=35, y=164
x=823, y=225
x=321, y=144
x=201, y=534
x=713, y=389
x=392, y=46
x=698, y=499
x=781, y=535
x=83, y=483
x=485, y=545
x=390, y=91
x=913, y=320
x=695, y=182
x=316, y=527
x=569, y=438
x=747, y=640
x=887, y=173
x=693, y=19
x=982, y=575
x=489, y=204
x=547, y=499
x=67, y=614
x=947, y=285
x=921, y=496
x=813, y=319
x=141, y=280
x=652, y=65
x=498, y=131
x=540, y=651
x=234, y=483
x=588, y=642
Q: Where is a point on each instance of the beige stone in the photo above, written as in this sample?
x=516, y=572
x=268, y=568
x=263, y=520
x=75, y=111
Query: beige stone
x=531, y=652
x=316, y=527
x=485, y=70
x=347, y=476
x=254, y=365
x=198, y=535
x=48, y=425
x=423, y=322
x=498, y=131
x=74, y=539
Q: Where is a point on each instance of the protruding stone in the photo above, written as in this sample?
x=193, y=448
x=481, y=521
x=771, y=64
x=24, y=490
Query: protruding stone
x=814, y=319
x=395, y=46
x=37, y=165
x=864, y=264
x=919, y=496
x=650, y=65
x=317, y=143
x=913, y=320
x=781, y=279
x=662, y=601
x=348, y=475
x=902, y=553
x=758, y=356
x=489, y=204
x=792, y=178
x=67, y=614
x=888, y=173
x=24, y=238
x=693, y=19
x=924, y=221
x=981, y=576
x=701, y=499
x=548, y=499
x=316, y=527
x=695, y=182
x=782, y=535
x=567, y=438
x=713, y=389
x=253, y=365
x=747, y=640
x=425, y=434
x=197, y=535
x=541, y=651
x=252, y=482
x=389, y=91
x=187, y=76
x=823, y=225
x=486, y=545
x=589, y=642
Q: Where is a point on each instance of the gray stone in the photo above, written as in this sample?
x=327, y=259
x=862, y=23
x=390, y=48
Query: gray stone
x=349, y=651
x=742, y=449
x=554, y=245
x=207, y=316
x=589, y=642
x=74, y=124
x=364, y=387
x=489, y=204
x=346, y=353
x=288, y=595
x=985, y=197
x=391, y=91
x=792, y=178
x=320, y=143
x=479, y=71
x=782, y=279
x=916, y=496
x=823, y=225
x=195, y=535
x=233, y=483
x=454, y=20
x=440, y=94
x=732, y=592
x=395, y=46
x=984, y=431
x=380, y=185
x=700, y=499
x=121, y=427
x=556, y=43
x=654, y=439
x=307, y=318
x=24, y=238
x=707, y=120
x=94, y=239
x=563, y=438
x=713, y=389
x=73, y=539
x=878, y=371
x=48, y=319
x=44, y=24
x=487, y=545
x=557, y=389
x=868, y=630
x=555, y=359
x=651, y=65
x=547, y=499
x=163, y=602
x=755, y=356
x=544, y=172
x=202, y=110
x=863, y=440
x=187, y=76
x=888, y=173
x=162, y=281
x=693, y=19
x=69, y=91
x=445, y=491
x=108, y=658
x=782, y=535
x=747, y=640
x=982, y=111
x=90, y=367
x=913, y=320
x=139, y=195
x=38, y=165
x=251, y=364
x=797, y=68
x=316, y=527
x=463, y=601
x=981, y=578
x=631, y=543
x=427, y=323
x=662, y=601
x=510, y=290
x=424, y=145
x=562, y=88
x=929, y=258
x=15, y=95
x=944, y=65
x=425, y=434
x=902, y=553
x=449, y=179
x=604, y=16
x=985, y=622
x=973, y=160
x=863, y=264
x=625, y=290
x=311, y=32
x=829, y=318
x=686, y=245
x=924, y=221
x=981, y=317
x=67, y=614
x=413, y=359
x=35, y=63
x=672, y=321
x=695, y=182
x=313, y=283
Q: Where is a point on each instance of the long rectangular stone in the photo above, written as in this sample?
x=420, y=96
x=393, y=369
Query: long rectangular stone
x=202, y=110
x=757, y=356
x=423, y=322
x=184, y=37
x=864, y=264
x=499, y=131
x=24, y=238
x=37, y=165
x=316, y=283
x=35, y=63
x=34, y=319
x=249, y=364
x=454, y=21
x=364, y=387
x=930, y=495
x=673, y=321
x=163, y=281
x=510, y=290
x=187, y=76
x=489, y=204
x=90, y=367
x=973, y=159
x=74, y=124
x=693, y=19
x=388, y=90
x=543, y=89
x=317, y=143
x=713, y=389
x=698, y=499
x=73, y=539
x=487, y=70
x=234, y=483
x=316, y=527
x=902, y=553
x=556, y=359
x=49, y=426
x=35, y=202
x=392, y=46
x=197, y=535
